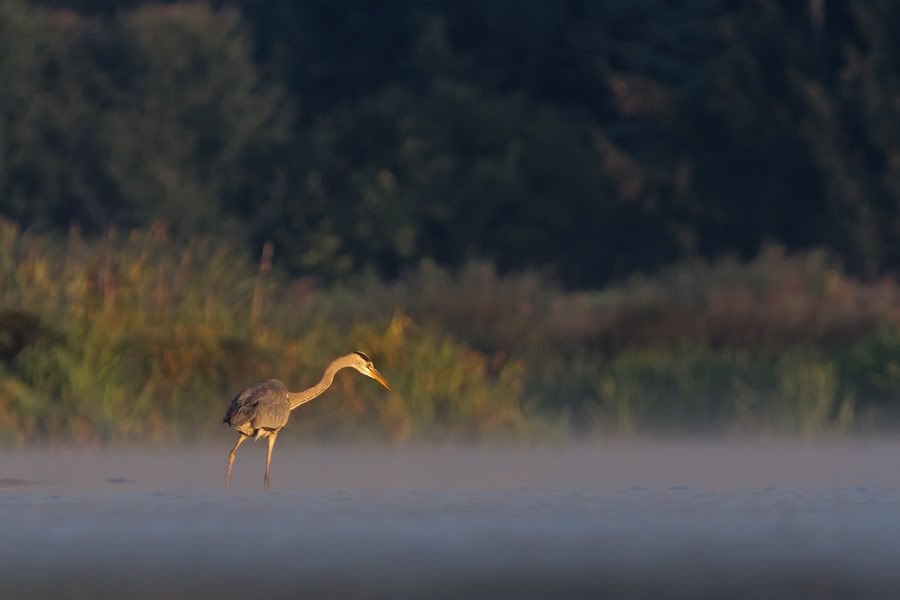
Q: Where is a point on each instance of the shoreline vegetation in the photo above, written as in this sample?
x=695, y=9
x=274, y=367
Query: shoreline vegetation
x=138, y=336
x=540, y=161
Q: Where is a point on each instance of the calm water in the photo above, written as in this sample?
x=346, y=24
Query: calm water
x=685, y=519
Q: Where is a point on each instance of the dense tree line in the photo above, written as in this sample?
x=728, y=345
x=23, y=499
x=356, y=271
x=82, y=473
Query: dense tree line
x=589, y=139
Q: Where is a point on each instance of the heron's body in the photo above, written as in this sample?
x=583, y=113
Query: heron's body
x=262, y=410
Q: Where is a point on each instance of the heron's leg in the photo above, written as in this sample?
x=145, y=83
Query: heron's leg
x=237, y=444
x=272, y=437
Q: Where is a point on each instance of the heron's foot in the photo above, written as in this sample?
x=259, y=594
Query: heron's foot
x=266, y=483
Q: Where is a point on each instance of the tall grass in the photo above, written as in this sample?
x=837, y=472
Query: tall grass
x=134, y=335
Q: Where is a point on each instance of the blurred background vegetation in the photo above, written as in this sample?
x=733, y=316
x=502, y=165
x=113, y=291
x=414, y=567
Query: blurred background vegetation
x=541, y=218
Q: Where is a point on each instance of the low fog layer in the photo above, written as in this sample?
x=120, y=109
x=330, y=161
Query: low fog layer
x=684, y=518
x=736, y=465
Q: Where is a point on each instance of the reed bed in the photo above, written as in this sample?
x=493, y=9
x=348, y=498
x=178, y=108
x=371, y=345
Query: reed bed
x=134, y=335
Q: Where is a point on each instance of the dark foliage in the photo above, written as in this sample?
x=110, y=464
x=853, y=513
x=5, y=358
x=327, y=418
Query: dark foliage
x=589, y=139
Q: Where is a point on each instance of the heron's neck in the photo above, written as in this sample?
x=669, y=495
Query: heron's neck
x=298, y=398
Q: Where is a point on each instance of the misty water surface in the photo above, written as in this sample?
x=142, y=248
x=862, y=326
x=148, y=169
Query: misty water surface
x=646, y=518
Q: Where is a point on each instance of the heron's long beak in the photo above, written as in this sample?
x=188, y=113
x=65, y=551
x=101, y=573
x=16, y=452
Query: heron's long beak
x=379, y=378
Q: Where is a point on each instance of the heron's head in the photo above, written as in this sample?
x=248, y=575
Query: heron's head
x=362, y=363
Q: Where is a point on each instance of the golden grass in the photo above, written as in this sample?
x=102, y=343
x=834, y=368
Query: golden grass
x=134, y=335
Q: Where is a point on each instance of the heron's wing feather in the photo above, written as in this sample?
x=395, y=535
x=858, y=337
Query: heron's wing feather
x=272, y=412
x=237, y=413
x=265, y=404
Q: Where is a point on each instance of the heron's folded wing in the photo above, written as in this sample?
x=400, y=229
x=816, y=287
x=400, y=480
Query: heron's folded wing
x=241, y=410
x=243, y=406
x=265, y=404
x=272, y=412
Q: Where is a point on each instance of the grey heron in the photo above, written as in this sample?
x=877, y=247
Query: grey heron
x=262, y=410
